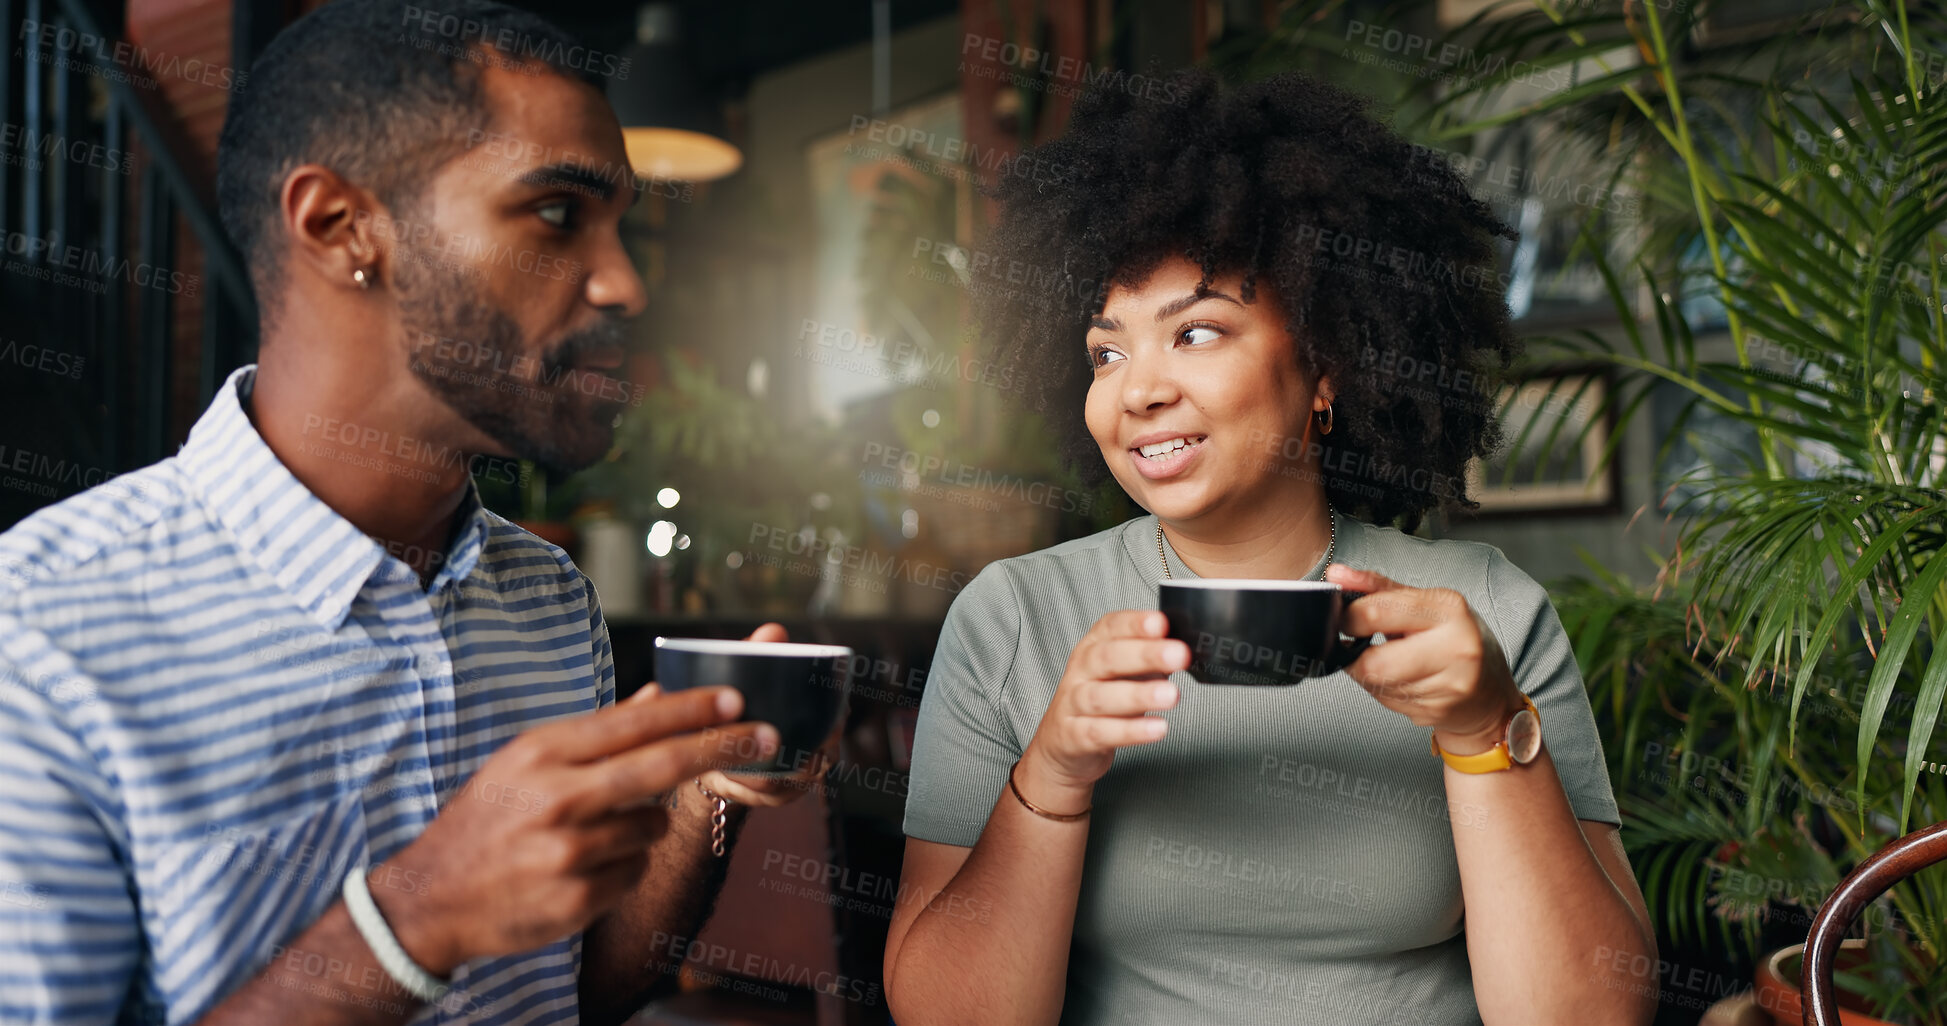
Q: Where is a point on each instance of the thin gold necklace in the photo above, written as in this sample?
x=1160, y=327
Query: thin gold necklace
x=1331, y=545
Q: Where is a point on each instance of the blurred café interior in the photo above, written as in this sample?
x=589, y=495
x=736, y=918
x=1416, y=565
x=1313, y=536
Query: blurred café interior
x=817, y=436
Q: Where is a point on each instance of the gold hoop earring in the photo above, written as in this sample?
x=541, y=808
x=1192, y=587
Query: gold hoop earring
x=1325, y=420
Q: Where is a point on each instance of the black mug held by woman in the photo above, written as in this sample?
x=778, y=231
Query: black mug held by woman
x=1260, y=632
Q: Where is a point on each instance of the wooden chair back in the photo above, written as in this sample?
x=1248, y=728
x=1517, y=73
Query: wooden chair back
x=1869, y=880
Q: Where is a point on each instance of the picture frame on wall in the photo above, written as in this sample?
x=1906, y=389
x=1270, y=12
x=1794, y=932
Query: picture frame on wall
x=1555, y=427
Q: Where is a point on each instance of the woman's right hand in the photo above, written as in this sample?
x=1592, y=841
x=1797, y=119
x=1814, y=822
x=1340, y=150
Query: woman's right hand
x=1118, y=672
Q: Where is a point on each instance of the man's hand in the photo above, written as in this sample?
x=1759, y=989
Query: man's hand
x=555, y=828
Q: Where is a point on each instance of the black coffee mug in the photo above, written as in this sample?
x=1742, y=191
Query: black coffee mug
x=799, y=689
x=1263, y=632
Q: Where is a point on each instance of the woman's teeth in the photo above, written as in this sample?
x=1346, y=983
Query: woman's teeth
x=1161, y=449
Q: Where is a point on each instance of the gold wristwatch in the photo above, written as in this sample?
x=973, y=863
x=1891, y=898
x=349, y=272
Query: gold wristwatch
x=1519, y=744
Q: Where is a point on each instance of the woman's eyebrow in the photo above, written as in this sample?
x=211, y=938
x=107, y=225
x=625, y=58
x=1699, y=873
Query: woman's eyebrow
x=1174, y=306
x=1177, y=306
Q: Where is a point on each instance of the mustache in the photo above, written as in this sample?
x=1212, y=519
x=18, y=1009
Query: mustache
x=609, y=334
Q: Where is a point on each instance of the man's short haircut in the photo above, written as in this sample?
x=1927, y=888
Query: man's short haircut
x=382, y=92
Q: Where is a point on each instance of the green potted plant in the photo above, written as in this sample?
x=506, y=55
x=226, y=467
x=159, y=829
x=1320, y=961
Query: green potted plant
x=740, y=479
x=1769, y=703
x=537, y=500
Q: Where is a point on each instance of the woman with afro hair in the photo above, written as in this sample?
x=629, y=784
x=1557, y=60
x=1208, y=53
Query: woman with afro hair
x=1273, y=326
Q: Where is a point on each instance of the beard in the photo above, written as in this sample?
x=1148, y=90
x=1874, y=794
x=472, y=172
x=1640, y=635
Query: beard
x=469, y=354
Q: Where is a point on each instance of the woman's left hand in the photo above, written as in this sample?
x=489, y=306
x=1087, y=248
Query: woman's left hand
x=770, y=792
x=1439, y=666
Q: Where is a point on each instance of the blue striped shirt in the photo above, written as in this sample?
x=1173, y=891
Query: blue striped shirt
x=217, y=696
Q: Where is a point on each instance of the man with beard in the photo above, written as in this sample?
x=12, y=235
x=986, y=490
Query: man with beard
x=294, y=731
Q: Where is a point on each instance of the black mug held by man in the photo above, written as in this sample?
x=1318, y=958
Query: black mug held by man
x=800, y=689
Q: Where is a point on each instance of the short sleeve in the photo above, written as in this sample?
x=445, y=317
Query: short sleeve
x=604, y=653
x=70, y=941
x=963, y=747
x=1543, y=661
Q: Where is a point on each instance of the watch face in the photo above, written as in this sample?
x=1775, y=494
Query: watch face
x=1524, y=737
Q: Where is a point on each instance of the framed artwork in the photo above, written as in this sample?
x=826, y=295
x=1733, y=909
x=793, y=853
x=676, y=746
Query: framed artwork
x=1554, y=429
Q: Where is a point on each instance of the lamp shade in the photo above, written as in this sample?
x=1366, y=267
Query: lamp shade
x=671, y=127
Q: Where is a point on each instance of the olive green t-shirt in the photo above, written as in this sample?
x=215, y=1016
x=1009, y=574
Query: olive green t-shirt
x=1285, y=854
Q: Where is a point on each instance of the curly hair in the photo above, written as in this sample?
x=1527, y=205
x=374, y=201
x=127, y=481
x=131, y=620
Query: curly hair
x=1381, y=261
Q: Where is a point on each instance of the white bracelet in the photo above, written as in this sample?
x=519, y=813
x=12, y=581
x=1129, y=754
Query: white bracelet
x=378, y=936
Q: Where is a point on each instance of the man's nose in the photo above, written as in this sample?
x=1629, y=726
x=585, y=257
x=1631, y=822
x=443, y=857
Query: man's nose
x=612, y=283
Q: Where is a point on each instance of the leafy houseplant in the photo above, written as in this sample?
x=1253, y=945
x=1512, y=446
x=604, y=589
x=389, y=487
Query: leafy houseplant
x=1770, y=703
x=743, y=478
x=960, y=415
x=531, y=496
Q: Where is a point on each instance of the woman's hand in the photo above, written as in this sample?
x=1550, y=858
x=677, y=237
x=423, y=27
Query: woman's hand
x=1440, y=666
x=1116, y=674
x=771, y=792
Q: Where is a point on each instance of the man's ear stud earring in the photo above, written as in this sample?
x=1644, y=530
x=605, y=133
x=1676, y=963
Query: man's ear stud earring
x=364, y=280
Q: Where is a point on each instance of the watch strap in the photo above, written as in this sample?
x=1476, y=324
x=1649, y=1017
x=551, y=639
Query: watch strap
x=1494, y=759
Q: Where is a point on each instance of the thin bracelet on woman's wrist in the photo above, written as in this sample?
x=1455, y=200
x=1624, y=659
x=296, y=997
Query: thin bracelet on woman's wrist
x=719, y=819
x=1037, y=810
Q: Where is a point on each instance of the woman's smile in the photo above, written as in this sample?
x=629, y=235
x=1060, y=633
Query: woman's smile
x=1161, y=455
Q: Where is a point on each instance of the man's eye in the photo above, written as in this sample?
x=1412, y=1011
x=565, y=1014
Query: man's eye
x=559, y=214
x=1190, y=335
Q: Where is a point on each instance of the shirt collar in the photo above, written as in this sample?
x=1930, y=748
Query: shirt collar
x=468, y=541
x=315, y=555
